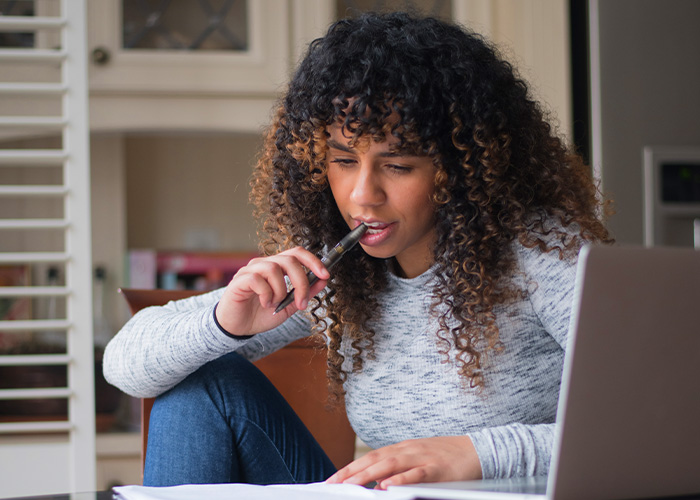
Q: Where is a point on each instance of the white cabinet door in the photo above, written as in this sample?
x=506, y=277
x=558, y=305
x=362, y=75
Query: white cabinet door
x=259, y=68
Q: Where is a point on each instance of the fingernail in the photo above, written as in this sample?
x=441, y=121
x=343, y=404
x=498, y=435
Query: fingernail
x=304, y=303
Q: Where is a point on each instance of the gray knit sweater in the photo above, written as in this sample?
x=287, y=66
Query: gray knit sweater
x=407, y=391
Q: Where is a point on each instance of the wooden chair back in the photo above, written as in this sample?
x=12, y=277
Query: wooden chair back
x=298, y=371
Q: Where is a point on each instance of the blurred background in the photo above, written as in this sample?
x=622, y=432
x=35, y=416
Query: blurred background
x=167, y=101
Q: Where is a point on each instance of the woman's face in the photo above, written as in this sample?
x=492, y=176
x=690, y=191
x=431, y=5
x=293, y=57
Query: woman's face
x=389, y=191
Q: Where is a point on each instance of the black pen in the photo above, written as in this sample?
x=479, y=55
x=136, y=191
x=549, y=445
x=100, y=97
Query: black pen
x=329, y=260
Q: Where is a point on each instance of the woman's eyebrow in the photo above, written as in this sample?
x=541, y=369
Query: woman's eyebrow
x=337, y=145
x=386, y=154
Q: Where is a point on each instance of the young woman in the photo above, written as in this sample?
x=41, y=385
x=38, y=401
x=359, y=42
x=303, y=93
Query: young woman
x=446, y=329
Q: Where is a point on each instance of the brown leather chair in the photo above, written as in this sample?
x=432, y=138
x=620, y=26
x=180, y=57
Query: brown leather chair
x=298, y=371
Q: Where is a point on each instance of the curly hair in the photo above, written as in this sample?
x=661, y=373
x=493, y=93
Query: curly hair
x=502, y=174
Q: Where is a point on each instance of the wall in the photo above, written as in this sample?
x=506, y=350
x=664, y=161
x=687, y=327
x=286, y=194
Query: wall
x=534, y=36
x=190, y=191
x=649, y=73
x=167, y=191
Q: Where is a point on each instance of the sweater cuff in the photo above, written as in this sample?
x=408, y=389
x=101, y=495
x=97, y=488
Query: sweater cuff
x=229, y=334
x=486, y=452
x=514, y=450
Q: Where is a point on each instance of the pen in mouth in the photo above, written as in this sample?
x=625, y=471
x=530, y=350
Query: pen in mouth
x=329, y=260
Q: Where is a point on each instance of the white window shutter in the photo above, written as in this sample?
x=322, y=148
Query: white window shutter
x=46, y=226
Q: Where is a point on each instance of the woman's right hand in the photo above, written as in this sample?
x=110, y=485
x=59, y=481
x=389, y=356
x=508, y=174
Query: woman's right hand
x=250, y=299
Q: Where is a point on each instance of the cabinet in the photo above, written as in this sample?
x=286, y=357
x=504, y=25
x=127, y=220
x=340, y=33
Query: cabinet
x=236, y=90
x=203, y=90
x=259, y=68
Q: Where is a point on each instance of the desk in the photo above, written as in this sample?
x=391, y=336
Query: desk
x=107, y=495
x=95, y=495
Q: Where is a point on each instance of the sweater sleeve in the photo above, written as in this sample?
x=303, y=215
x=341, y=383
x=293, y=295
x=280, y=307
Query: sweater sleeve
x=519, y=449
x=161, y=345
x=514, y=450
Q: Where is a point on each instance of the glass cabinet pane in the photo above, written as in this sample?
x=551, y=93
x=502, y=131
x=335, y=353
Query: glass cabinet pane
x=216, y=25
x=441, y=9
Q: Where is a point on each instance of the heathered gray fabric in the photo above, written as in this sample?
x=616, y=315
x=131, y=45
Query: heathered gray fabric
x=407, y=391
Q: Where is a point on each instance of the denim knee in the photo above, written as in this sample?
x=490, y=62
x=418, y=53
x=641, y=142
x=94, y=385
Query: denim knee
x=221, y=423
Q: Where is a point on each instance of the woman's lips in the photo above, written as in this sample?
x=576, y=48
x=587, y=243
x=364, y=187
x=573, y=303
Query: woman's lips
x=377, y=233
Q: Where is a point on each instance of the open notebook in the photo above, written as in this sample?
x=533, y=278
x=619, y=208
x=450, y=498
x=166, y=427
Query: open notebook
x=628, y=423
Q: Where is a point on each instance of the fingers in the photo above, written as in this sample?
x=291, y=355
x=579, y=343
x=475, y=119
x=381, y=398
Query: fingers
x=263, y=283
x=387, y=466
x=420, y=474
x=265, y=277
x=372, y=467
x=299, y=278
x=248, y=303
x=449, y=458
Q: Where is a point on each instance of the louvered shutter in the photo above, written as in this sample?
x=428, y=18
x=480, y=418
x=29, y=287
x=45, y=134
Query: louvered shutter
x=46, y=345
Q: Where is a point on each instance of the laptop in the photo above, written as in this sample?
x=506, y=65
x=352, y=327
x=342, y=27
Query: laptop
x=628, y=421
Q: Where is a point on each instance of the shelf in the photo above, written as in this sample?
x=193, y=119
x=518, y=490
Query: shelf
x=174, y=270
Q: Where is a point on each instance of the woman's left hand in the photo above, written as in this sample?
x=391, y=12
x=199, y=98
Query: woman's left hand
x=426, y=460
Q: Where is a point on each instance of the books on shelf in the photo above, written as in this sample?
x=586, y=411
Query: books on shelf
x=172, y=270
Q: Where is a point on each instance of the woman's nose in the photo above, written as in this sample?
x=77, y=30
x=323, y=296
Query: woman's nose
x=367, y=189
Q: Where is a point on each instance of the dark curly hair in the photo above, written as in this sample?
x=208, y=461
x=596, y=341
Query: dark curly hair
x=502, y=174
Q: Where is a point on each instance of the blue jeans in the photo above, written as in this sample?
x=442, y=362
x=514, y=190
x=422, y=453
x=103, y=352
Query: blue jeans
x=226, y=423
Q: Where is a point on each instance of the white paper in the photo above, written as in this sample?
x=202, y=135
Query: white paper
x=313, y=491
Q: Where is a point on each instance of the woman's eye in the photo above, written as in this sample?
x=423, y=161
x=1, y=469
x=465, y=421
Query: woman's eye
x=399, y=169
x=343, y=162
